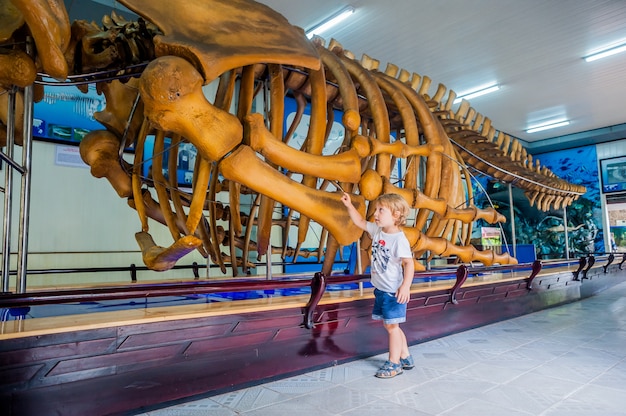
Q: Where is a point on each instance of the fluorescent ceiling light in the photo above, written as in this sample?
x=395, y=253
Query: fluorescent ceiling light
x=549, y=125
x=477, y=93
x=330, y=22
x=605, y=52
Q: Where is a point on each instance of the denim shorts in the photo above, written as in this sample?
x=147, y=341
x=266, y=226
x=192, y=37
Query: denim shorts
x=387, y=308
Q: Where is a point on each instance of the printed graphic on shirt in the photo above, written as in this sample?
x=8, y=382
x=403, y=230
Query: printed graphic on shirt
x=380, y=255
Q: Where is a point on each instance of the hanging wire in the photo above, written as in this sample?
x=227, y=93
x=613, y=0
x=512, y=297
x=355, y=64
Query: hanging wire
x=483, y=190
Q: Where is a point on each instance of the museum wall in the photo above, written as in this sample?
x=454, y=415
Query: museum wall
x=78, y=221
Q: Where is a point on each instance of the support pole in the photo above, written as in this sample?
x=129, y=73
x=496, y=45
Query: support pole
x=268, y=263
x=512, y=214
x=27, y=148
x=8, y=195
x=566, y=233
x=359, y=268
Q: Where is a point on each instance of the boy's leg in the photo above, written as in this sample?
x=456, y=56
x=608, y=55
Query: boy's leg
x=405, y=346
x=396, y=341
x=398, y=346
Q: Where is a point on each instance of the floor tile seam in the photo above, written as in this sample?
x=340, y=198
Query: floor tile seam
x=603, y=362
x=416, y=385
x=293, y=396
x=547, y=411
x=406, y=389
x=223, y=406
x=621, y=362
x=617, y=358
x=450, y=411
x=345, y=386
x=322, y=412
x=563, y=322
x=568, y=343
x=352, y=409
x=597, y=344
x=442, y=376
x=526, y=347
x=523, y=373
x=484, y=361
x=386, y=399
x=570, y=395
x=330, y=378
x=505, y=351
x=237, y=410
x=343, y=382
x=582, y=383
x=555, y=355
x=327, y=412
x=442, y=372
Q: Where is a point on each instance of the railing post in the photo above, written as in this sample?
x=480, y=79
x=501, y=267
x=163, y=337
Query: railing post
x=590, y=262
x=609, y=261
x=318, y=287
x=461, y=277
x=536, y=268
x=582, y=262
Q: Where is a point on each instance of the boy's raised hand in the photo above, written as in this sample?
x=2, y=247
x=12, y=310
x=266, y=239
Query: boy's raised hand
x=345, y=198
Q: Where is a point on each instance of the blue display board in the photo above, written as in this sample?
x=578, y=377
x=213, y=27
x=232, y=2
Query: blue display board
x=65, y=114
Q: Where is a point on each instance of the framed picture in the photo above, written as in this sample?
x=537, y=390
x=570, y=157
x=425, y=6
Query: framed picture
x=613, y=174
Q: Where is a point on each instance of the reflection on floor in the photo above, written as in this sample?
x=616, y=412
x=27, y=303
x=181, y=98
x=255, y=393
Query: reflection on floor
x=565, y=361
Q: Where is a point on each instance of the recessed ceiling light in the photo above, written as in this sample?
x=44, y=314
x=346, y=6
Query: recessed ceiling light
x=330, y=22
x=549, y=125
x=477, y=92
x=612, y=50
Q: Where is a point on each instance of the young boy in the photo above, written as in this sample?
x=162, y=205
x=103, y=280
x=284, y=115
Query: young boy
x=392, y=274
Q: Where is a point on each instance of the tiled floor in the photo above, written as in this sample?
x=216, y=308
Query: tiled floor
x=565, y=361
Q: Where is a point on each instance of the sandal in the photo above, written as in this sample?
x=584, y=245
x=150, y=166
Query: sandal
x=389, y=370
x=407, y=363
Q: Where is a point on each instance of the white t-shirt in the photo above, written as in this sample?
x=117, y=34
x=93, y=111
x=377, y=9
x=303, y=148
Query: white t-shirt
x=388, y=250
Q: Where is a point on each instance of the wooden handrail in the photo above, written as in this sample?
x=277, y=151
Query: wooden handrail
x=144, y=290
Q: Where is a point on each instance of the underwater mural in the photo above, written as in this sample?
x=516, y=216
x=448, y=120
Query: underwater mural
x=545, y=230
x=584, y=216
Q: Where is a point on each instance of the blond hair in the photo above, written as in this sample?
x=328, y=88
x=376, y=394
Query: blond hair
x=395, y=203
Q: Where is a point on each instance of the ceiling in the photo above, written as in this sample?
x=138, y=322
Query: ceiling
x=533, y=49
